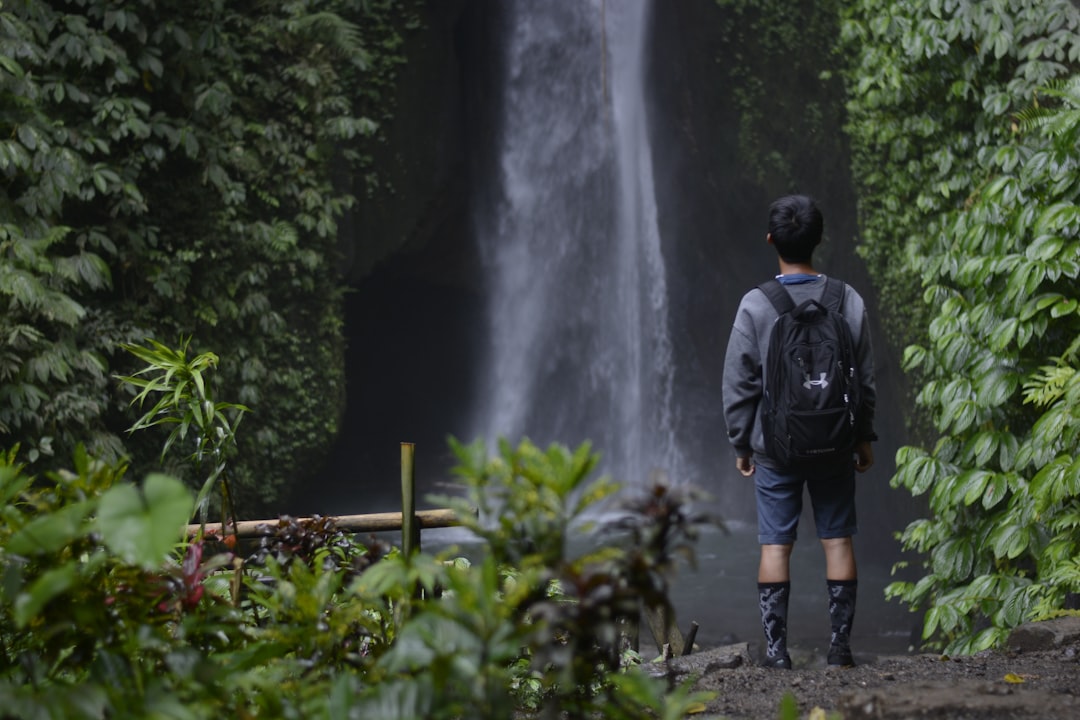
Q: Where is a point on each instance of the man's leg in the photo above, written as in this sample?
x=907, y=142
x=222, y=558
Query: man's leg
x=774, y=590
x=779, y=503
x=842, y=580
x=832, y=493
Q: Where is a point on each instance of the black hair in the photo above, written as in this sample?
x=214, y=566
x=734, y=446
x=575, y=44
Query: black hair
x=796, y=226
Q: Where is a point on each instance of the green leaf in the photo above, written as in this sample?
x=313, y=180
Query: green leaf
x=1009, y=540
x=919, y=474
x=1064, y=308
x=1057, y=217
x=12, y=483
x=972, y=484
x=52, y=531
x=141, y=525
x=995, y=387
x=1003, y=335
x=914, y=356
x=40, y=592
x=954, y=558
x=1045, y=247
x=995, y=491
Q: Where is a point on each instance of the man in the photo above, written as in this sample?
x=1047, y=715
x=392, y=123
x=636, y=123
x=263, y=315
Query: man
x=795, y=230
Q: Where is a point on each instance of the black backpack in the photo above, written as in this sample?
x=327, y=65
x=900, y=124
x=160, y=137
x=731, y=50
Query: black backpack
x=812, y=394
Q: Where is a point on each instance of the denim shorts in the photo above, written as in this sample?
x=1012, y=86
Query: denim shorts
x=780, y=501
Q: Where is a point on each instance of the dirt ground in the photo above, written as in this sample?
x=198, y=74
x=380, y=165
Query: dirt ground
x=1038, y=676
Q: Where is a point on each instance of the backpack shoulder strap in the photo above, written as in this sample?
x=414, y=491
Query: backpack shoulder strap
x=832, y=296
x=778, y=296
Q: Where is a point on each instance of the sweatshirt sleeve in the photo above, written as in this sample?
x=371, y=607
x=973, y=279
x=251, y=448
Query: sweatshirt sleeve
x=742, y=384
x=865, y=355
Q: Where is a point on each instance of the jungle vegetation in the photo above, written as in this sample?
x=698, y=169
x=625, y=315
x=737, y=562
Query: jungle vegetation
x=964, y=120
x=169, y=173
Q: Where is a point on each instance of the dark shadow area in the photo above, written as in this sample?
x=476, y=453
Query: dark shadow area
x=415, y=320
x=409, y=365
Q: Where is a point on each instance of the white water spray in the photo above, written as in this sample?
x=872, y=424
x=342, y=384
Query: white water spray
x=578, y=312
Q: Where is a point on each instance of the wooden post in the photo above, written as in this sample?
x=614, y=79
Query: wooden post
x=664, y=630
x=688, y=641
x=410, y=528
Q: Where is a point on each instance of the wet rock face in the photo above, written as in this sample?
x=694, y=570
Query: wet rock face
x=422, y=159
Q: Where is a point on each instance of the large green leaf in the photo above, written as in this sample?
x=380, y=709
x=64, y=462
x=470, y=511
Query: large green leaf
x=141, y=525
x=50, y=532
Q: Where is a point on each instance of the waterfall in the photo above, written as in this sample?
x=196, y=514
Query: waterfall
x=566, y=227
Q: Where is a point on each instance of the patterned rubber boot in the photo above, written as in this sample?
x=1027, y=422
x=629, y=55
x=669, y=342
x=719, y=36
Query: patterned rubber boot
x=773, y=601
x=841, y=615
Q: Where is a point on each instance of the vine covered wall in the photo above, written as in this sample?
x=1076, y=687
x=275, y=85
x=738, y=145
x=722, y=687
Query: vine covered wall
x=169, y=173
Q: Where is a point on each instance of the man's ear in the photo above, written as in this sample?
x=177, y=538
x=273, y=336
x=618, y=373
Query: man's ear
x=768, y=238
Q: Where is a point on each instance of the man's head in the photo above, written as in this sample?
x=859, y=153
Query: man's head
x=795, y=227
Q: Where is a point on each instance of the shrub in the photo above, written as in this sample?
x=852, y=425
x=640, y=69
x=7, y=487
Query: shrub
x=106, y=609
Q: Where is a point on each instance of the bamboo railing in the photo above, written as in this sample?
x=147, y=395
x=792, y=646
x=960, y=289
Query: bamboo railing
x=410, y=520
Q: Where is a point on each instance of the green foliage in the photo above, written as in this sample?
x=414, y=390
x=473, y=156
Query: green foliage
x=930, y=84
x=185, y=400
x=978, y=198
x=567, y=610
x=773, y=50
x=64, y=597
x=170, y=170
x=105, y=611
x=131, y=519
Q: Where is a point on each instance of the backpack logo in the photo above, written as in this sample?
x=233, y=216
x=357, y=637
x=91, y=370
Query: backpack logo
x=812, y=401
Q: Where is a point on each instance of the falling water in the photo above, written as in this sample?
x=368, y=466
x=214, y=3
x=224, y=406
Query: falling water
x=567, y=229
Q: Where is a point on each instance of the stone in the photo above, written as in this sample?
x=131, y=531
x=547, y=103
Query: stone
x=1045, y=634
x=726, y=657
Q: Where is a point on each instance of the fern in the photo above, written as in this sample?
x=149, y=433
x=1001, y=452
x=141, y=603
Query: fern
x=1056, y=119
x=333, y=30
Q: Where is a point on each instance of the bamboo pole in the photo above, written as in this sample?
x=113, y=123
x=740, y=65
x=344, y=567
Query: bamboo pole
x=410, y=529
x=371, y=522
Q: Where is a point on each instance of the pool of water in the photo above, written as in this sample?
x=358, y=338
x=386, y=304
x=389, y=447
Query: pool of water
x=719, y=593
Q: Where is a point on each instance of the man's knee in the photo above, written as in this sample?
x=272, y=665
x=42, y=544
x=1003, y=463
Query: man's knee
x=839, y=558
x=775, y=563
x=777, y=551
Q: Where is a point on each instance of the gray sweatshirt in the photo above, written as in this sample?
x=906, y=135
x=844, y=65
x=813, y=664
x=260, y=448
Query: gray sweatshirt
x=746, y=358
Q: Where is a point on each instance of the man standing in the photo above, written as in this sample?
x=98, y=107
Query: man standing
x=785, y=449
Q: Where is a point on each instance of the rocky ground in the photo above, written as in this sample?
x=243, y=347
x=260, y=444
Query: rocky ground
x=1038, y=676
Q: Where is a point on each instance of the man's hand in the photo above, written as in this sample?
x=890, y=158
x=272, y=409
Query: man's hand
x=745, y=466
x=864, y=456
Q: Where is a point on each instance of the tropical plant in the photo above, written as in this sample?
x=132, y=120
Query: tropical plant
x=106, y=609
x=84, y=604
x=565, y=609
x=978, y=198
x=182, y=394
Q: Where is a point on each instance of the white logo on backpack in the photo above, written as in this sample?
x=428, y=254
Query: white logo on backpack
x=808, y=383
